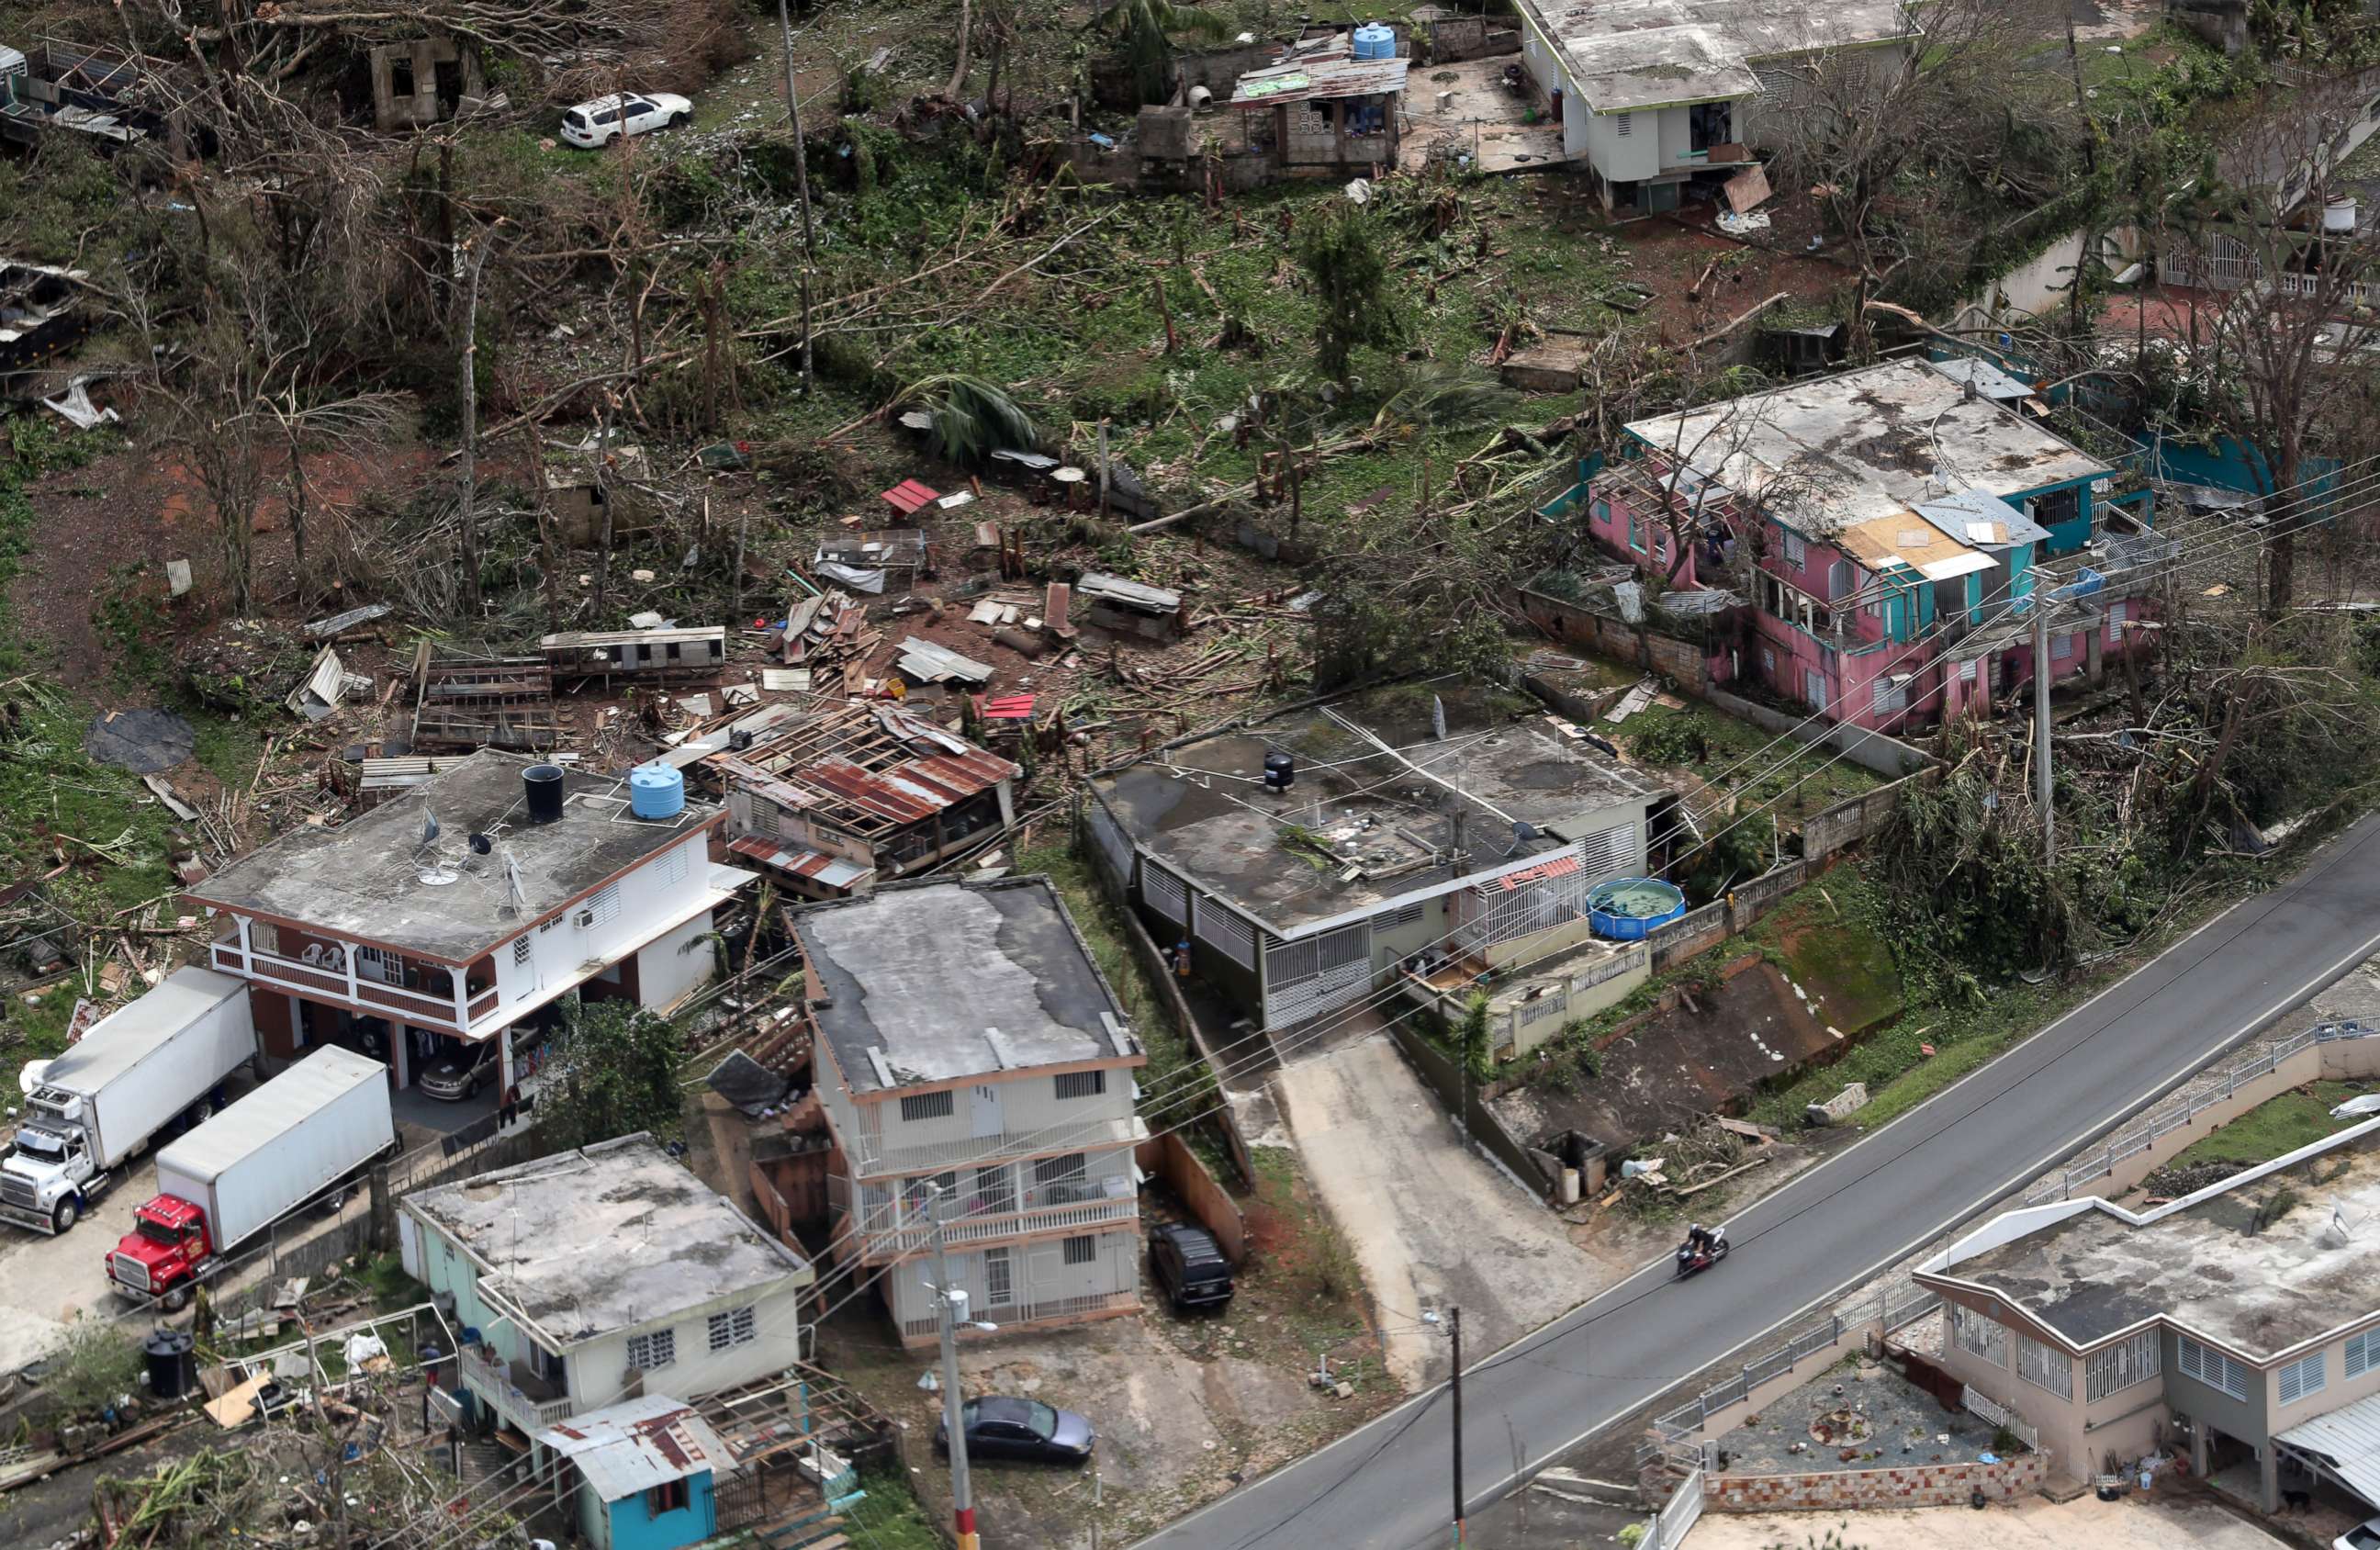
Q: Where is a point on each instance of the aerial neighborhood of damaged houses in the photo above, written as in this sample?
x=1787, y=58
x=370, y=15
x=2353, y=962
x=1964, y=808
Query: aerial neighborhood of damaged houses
x=1504, y=771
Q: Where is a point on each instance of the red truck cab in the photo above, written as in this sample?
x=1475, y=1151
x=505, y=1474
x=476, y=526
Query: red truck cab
x=165, y=1251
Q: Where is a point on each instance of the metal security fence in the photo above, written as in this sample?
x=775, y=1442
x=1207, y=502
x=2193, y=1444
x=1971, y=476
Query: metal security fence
x=1678, y=1515
x=2177, y=1111
x=1674, y=1432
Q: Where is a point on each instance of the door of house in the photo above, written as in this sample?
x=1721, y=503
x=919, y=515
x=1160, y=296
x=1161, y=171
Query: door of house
x=983, y=1109
x=1814, y=688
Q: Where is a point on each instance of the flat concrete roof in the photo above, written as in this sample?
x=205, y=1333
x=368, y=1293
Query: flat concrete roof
x=1386, y=817
x=954, y=980
x=365, y=878
x=1828, y=454
x=1627, y=55
x=611, y=1237
x=2257, y=1292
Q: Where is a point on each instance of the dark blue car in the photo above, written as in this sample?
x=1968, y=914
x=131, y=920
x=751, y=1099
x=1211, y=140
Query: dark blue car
x=1001, y=1427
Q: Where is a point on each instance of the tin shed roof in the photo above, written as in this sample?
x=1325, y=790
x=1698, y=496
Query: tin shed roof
x=638, y=1444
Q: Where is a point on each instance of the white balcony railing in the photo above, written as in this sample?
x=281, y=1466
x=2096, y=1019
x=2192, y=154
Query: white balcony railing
x=869, y=1155
x=911, y=1234
x=360, y=991
x=523, y=1410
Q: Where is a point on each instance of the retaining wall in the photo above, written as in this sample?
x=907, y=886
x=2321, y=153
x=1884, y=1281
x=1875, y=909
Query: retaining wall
x=1444, y=1076
x=1917, y=1485
x=1169, y=999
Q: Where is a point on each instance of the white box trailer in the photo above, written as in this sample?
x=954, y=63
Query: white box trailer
x=135, y=1072
x=281, y=1146
x=146, y=1062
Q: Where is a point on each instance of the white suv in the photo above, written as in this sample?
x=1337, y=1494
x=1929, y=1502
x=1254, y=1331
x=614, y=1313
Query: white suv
x=599, y=123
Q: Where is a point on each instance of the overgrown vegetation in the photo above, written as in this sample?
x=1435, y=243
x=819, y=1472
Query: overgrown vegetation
x=612, y=1073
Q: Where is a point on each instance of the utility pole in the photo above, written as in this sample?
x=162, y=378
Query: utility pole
x=2041, y=783
x=1457, y=1331
x=948, y=1305
x=801, y=183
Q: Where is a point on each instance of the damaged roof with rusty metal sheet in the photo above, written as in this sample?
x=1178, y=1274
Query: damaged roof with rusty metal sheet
x=637, y=1444
x=800, y=861
x=1318, y=70
x=1828, y=453
x=882, y=764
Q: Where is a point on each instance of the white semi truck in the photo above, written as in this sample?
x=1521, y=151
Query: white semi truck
x=159, y=1062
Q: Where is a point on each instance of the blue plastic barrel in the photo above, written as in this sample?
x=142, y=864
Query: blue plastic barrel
x=1376, y=40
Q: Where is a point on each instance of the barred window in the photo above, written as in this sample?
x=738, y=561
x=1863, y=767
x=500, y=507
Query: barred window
x=734, y=1327
x=1082, y=1250
x=1070, y=1169
x=2044, y=1367
x=2116, y=1367
x=522, y=949
x=1985, y=1338
x=648, y=1351
x=1081, y=1083
x=928, y=1106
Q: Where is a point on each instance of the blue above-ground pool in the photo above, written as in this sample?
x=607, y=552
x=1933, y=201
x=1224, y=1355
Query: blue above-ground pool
x=1629, y=909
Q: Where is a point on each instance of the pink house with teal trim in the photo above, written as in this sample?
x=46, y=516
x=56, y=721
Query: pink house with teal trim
x=1889, y=527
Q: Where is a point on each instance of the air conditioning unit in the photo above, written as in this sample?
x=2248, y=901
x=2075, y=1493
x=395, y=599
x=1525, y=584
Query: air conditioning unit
x=583, y=919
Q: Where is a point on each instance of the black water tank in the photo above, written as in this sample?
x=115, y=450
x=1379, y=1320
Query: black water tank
x=1281, y=771
x=172, y=1370
x=543, y=783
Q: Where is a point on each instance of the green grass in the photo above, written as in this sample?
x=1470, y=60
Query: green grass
x=1837, y=956
x=889, y=1518
x=2276, y=1127
x=1741, y=759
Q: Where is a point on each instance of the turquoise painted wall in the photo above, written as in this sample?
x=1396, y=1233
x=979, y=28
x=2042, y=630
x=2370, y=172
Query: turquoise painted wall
x=630, y=1526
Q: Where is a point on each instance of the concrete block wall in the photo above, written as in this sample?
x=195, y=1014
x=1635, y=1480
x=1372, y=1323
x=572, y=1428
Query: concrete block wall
x=1918, y=1486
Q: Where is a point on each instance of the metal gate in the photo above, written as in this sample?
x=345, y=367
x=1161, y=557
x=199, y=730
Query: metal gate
x=1304, y=979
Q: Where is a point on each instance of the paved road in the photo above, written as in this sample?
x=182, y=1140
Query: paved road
x=1386, y=1484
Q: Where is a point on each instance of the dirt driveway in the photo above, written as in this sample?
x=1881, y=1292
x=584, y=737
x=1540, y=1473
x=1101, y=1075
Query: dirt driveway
x=47, y=1282
x=2158, y=1523
x=1434, y=1224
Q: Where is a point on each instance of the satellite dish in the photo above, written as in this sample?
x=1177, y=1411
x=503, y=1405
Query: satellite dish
x=429, y=824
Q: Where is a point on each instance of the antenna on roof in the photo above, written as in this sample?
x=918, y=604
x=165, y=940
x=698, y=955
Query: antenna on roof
x=516, y=896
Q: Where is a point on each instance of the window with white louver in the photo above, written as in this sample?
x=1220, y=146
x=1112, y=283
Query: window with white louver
x=1164, y=894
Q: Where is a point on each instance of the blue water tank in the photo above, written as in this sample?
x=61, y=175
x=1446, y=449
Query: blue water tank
x=1376, y=40
x=656, y=791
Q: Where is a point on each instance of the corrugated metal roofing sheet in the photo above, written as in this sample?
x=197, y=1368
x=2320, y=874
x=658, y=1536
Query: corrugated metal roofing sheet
x=909, y=496
x=1311, y=78
x=1115, y=589
x=799, y=861
x=2350, y=1438
x=637, y=1445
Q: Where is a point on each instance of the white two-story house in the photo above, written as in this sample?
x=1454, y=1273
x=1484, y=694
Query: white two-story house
x=447, y=919
x=1654, y=94
x=972, y=1059
x=590, y=1277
